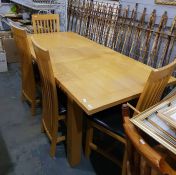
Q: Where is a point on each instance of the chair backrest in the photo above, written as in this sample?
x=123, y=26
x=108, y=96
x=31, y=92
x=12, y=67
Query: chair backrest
x=28, y=79
x=142, y=158
x=155, y=86
x=49, y=92
x=45, y=23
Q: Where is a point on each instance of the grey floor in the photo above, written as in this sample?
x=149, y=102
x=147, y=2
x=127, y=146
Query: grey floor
x=23, y=148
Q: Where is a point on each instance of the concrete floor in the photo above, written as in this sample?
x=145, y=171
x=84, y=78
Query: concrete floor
x=24, y=150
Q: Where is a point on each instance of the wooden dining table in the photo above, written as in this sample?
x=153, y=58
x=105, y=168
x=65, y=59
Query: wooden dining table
x=94, y=78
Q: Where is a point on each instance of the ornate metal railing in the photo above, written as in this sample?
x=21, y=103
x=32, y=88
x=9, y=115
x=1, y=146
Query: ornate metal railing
x=146, y=38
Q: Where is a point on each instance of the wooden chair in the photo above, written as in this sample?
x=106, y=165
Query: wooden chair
x=27, y=74
x=142, y=159
x=45, y=23
x=111, y=124
x=51, y=114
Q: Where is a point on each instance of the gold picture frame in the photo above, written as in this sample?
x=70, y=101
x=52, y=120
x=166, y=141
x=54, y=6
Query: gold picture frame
x=166, y=2
x=158, y=129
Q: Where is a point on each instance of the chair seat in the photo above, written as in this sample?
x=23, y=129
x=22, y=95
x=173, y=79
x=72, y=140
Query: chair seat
x=62, y=99
x=110, y=119
x=62, y=109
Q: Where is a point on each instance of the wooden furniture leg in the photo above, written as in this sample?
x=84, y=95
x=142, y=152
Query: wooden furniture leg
x=33, y=108
x=74, y=133
x=124, y=167
x=89, y=139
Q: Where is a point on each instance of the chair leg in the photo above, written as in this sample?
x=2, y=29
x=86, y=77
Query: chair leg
x=33, y=108
x=53, y=148
x=89, y=139
x=128, y=168
x=124, y=165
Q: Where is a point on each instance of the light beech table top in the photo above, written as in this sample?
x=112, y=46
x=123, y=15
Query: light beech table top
x=94, y=76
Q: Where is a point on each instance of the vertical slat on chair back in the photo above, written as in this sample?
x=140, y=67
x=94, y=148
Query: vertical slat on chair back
x=48, y=86
x=155, y=86
x=27, y=74
x=45, y=23
x=142, y=158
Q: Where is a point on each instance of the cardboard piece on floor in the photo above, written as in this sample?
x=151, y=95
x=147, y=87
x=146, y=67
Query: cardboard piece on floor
x=11, y=50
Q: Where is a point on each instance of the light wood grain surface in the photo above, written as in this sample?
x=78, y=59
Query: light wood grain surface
x=94, y=76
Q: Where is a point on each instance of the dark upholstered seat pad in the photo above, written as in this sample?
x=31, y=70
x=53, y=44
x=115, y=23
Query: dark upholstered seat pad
x=110, y=119
x=36, y=72
x=62, y=100
x=62, y=109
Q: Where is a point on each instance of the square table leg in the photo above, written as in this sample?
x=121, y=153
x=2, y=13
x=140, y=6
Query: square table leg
x=74, y=133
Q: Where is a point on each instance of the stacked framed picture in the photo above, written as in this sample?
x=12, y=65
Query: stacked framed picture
x=159, y=122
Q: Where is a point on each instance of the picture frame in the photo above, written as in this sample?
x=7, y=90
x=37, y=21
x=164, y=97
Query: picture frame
x=160, y=130
x=169, y=115
x=166, y=2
